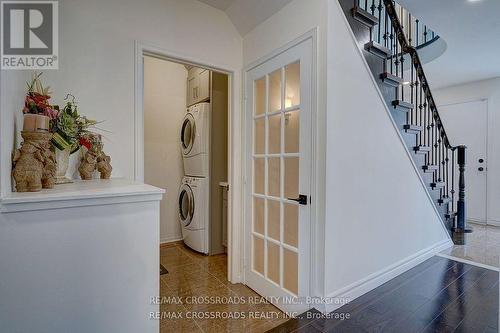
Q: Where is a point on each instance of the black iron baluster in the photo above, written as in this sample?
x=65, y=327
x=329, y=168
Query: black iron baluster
x=392, y=48
x=425, y=34
x=416, y=35
x=453, y=152
x=379, y=21
x=441, y=169
x=386, y=29
x=447, y=179
x=366, y=5
x=410, y=36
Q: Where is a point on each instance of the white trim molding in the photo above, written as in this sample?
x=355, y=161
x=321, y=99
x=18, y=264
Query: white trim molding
x=234, y=217
x=81, y=193
x=316, y=157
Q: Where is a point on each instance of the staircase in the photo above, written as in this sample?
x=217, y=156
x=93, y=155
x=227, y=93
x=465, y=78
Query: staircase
x=391, y=39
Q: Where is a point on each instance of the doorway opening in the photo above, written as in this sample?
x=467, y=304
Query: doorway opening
x=186, y=139
x=186, y=151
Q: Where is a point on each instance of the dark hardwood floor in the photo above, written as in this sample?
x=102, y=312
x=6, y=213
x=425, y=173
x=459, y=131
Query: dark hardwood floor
x=439, y=295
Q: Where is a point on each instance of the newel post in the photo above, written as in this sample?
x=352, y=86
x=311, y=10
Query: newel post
x=461, y=229
x=461, y=208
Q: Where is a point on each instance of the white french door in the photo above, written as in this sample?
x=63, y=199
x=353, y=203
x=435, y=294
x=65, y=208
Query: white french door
x=278, y=188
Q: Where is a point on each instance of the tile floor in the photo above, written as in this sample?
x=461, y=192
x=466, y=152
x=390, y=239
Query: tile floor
x=191, y=276
x=482, y=246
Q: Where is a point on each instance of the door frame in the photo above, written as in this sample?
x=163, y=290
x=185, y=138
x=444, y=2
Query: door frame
x=314, y=203
x=141, y=49
x=488, y=153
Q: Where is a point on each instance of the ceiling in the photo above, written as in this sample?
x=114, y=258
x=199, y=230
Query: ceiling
x=471, y=31
x=247, y=14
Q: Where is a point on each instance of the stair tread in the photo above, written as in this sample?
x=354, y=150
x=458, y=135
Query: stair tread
x=413, y=128
x=450, y=215
x=421, y=149
x=402, y=104
x=377, y=49
x=392, y=80
x=444, y=200
x=438, y=184
x=430, y=167
x=363, y=16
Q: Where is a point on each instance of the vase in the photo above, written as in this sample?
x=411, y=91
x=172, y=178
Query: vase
x=62, y=159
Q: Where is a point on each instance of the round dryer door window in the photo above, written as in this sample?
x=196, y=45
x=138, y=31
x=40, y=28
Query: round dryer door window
x=186, y=205
x=188, y=134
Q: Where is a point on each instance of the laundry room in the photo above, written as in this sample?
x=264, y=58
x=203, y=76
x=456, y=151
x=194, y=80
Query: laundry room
x=186, y=152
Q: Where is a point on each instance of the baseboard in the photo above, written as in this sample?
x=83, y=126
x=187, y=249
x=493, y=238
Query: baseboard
x=376, y=279
x=495, y=223
x=167, y=240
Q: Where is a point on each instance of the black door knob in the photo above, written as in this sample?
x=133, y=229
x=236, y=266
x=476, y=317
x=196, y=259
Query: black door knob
x=302, y=199
x=480, y=169
x=481, y=160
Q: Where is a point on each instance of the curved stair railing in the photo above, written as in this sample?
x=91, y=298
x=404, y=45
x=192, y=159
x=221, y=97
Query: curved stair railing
x=417, y=33
x=394, y=38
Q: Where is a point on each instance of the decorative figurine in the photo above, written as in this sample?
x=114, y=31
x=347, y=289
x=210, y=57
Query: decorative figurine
x=50, y=166
x=28, y=164
x=88, y=165
x=104, y=166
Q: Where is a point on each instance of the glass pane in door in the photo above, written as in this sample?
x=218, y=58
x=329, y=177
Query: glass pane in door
x=292, y=131
x=292, y=85
x=260, y=96
x=275, y=85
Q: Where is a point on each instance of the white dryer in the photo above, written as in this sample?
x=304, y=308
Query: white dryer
x=195, y=140
x=194, y=212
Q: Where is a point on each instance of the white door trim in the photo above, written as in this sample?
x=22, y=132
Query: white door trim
x=313, y=35
x=235, y=258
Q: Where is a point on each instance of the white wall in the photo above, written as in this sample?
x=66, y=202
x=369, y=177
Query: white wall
x=378, y=214
x=474, y=91
x=97, y=60
x=164, y=110
x=12, y=93
x=294, y=20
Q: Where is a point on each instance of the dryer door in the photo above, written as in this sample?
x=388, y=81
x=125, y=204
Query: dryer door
x=186, y=205
x=188, y=134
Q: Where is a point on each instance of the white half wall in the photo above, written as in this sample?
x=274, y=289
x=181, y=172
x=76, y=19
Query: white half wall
x=90, y=267
x=474, y=91
x=164, y=110
x=295, y=19
x=379, y=219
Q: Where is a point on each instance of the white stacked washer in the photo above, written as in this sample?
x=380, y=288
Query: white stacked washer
x=193, y=212
x=194, y=192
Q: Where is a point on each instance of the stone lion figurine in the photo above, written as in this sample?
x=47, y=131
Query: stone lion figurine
x=28, y=169
x=88, y=165
x=104, y=166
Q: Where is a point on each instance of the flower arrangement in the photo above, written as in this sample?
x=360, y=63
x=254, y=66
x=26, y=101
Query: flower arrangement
x=37, y=99
x=70, y=127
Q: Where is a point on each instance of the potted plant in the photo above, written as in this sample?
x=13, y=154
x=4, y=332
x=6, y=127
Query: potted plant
x=68, y=128
x=37, y=110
